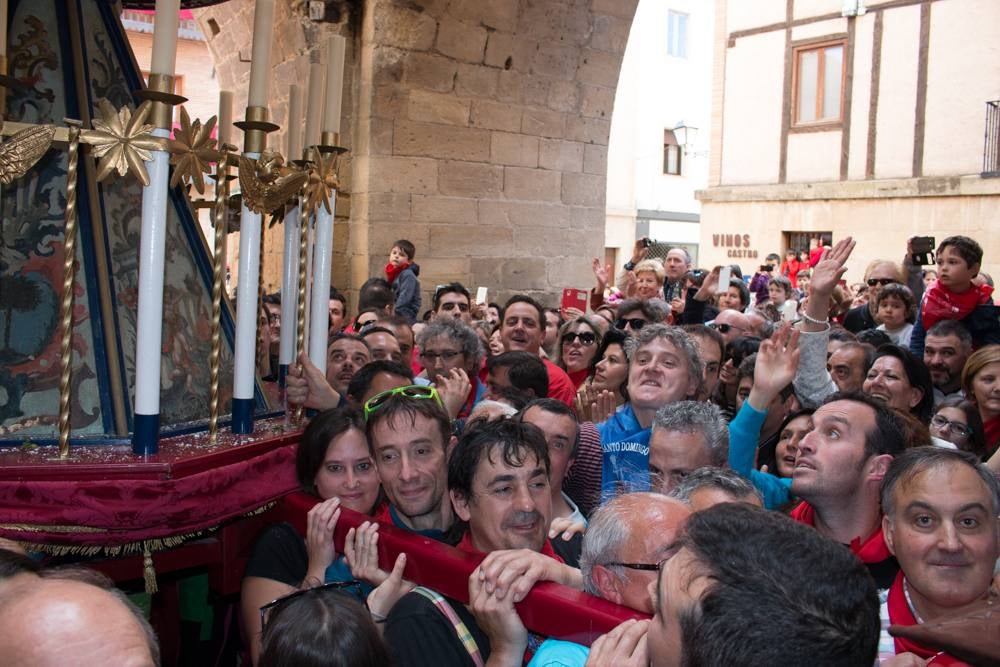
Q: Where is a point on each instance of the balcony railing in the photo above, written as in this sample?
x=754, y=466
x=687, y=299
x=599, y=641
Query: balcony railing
x=991, y=148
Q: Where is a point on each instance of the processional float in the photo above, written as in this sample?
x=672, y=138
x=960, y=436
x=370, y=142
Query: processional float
x=132, y=417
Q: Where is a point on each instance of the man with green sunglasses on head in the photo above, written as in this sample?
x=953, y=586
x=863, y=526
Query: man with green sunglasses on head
x=409, y=435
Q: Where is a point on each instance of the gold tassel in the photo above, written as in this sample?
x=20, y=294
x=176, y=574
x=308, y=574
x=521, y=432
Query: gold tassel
x=148, y=572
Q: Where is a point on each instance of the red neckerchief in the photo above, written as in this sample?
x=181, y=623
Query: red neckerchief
x=901, y=614
x=466, y=546
x=392, y=271
x=940, y=303
x=871, y=550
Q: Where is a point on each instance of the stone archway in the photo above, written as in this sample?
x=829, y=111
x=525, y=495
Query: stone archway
x=478, y=129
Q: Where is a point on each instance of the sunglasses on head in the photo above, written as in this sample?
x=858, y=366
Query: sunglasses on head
x=872, y=282
x=586, y=338
x=352, y=588
x=411, y=391
x=723, y=328
x=633, y=322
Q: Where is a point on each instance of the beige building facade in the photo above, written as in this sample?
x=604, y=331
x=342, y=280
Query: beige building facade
x=856, y=118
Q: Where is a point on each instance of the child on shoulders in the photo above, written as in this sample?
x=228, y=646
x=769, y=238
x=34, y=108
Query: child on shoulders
x=896, y=306
x=402, y=272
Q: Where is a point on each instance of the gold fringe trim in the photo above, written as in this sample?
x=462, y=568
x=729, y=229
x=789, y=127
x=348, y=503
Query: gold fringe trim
x=146, y=547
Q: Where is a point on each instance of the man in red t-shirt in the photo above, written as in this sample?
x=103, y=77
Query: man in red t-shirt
x=521, y=329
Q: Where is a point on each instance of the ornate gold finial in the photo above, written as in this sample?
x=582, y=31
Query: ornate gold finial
x=322, y=181
x=20, y=153
x=267, y=183
x=193, y=149
x=122, y=140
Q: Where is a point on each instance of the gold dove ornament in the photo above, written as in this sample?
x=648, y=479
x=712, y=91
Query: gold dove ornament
x=122, y=141
x=25, y=148
x=267, y=183
x=192, y=151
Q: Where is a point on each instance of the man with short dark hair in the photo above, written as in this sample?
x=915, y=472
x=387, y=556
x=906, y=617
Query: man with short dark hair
x=941, y=508
x=711, y=485
x=559, y=425
x=838, y=471
x=522, y=328
x=848, y=365
x=376, y=293
x=946, y=349
x=382, y=343
x=452, y=300
x=521, y=371
x=375, y=377
x=338, y=311
x=748, y=587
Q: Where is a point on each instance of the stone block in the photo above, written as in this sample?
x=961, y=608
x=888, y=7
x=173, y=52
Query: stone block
x=404, y=28
x=497, y=14
x=461, y=41
x=468, y=179
x=624, y=9
x=596, y=101
x=434, y=8
x=402, y=174
x=389, y=101
x=514, y=213
x=556, y=61
x=381, y=236
x=543, y=123
x=563, y=96
x=583, y=189
x=595, y=159
x=384, y=206
x=588, y=130
x=520, y=273
x=535, y=90
x=599, y=68
x=456, y=241
x=588, y=219
x=380, y=142
x=610, y=33
x=574, y=271
x=495, y=116
x=436, y=270
x=387, y=65
x=430, y=71
x=509, y=52
x=457, y=210
x=476, y=80
x=552, y=242
x=430, y=107
x=560, y=155
x=440, y=141
x=514, y=149
x=531, y=184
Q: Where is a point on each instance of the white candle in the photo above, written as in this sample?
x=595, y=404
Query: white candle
x=260, y=56
x=314, y=103
x=225, y=117
x=3, y=31
x=335, y=45
x=293, y=126
x=164, y=36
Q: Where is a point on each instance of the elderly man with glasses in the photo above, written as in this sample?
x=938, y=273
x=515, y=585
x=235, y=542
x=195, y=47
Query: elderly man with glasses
x=451, y=352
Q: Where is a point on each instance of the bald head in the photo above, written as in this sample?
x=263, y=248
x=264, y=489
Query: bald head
x=58, y=622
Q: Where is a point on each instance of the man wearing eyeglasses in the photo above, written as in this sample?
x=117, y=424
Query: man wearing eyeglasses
x=880, y=273
x=452, y=301
x=451, y=352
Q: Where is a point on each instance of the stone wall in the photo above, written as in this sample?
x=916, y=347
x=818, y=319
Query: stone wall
x=478, y=130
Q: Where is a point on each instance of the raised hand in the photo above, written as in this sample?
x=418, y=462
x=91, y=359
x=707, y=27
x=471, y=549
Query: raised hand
x=454, y=390
x=707, y=289
x=387, y=594
x=602, y=273
x=361, y=552
x=777, y=362
x=830, y=268
x=320, y=523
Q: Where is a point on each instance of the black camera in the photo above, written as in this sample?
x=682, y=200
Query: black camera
x=922, y=250
x=767, y=267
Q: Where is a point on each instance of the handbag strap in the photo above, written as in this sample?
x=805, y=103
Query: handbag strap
x=468, y=641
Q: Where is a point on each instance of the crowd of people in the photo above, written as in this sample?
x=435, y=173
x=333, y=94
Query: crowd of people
x=777, y=469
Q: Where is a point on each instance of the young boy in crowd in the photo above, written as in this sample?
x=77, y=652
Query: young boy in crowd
x=402, y=272
x=957, y=295
x=895, y=309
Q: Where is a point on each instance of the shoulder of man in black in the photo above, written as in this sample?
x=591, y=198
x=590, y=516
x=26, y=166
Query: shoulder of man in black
x=420, y=635
x=279, y=554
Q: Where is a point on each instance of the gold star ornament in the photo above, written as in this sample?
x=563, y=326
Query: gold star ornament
x=192, y=151
x=322, y=181
x=122, y=141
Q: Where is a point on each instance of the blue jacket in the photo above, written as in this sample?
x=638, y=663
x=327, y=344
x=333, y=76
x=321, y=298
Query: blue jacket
x=407, y=289
x=744, y=431
x=625, y=461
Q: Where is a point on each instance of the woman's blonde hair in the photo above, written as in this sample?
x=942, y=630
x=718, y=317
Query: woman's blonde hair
x=976, y=362
x=651, y=266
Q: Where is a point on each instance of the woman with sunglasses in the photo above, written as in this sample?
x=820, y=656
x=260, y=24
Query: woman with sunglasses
x=605, y=389
x=333, y=463
x=577, y=344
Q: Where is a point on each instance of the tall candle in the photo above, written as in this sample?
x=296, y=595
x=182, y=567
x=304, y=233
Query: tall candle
x=260, y=56
x=314, y=103
x=225, y=117
x=164, y=37
x=294, y=124
x=3, y=28
x=335, y=45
